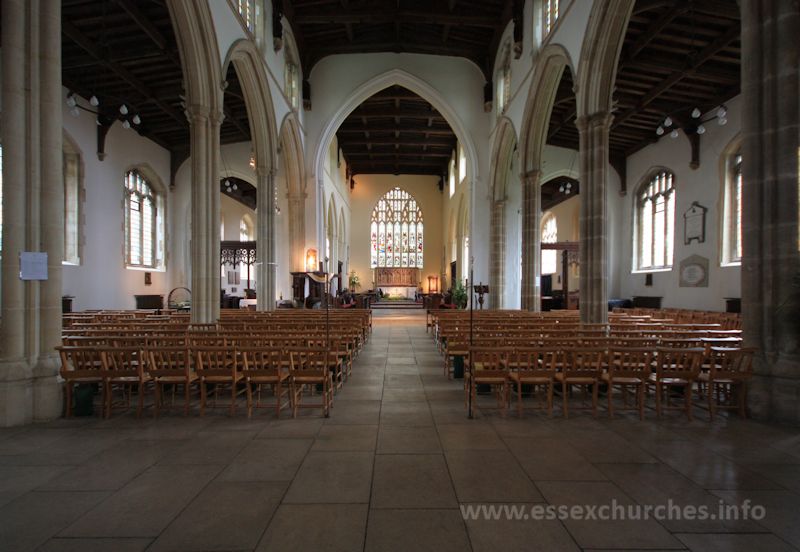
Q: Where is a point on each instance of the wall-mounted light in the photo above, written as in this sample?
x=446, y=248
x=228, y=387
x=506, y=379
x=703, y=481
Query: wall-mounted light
x=311, y=260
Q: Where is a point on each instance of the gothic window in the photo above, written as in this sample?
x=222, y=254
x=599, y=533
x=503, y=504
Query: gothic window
x=732, y=223
x=396, y=231
x=462, y=164
x=503, y=77
x=141, y=221
x=72, y=192
x=655, y=218
x=247, y=11
x=549, y=235
x=451, y=176
x=550, y=15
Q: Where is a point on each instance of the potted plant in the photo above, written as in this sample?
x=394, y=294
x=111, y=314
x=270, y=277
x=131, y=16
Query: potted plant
x=353, y=281
x=459, y=293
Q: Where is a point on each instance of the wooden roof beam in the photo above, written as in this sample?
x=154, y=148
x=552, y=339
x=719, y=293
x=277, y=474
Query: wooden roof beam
x=84, y=42
x=731, y=34
x=149, y=29
x=382, y=15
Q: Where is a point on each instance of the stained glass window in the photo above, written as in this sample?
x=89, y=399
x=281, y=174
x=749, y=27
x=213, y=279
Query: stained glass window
x=396, y=231
x=656, y=221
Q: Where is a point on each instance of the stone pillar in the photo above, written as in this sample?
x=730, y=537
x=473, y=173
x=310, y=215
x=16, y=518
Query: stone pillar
x=498, y=260
x=771, y=261
x=33, y=210
x=204, y=135
x=46, y=388
x=297, y=231
x=594, y=131
x=266, y=239
x=531, y=241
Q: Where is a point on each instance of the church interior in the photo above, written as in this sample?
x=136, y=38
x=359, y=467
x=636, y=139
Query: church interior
x=399, y=275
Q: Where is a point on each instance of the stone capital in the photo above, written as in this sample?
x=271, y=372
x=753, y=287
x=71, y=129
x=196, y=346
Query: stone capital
x=594, y=120
x=530, y=178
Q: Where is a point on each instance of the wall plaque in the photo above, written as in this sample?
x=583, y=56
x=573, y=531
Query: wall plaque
x=694, y=224
x=694, y=272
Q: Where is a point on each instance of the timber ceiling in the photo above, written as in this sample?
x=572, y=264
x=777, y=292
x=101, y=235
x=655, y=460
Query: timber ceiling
x=552, y=194
x=124, y=51
x=464, y=28
x=396, y=131
x=677, y=55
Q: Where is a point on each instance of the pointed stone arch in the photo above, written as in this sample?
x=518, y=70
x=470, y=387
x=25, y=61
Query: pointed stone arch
x=197, y=45
x=291, y=159
x=504, y=145
x=597, y=73
x=552, y=62
x=252, y=73
x=416, y=85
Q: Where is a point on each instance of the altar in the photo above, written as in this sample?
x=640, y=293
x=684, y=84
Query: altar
x=396, y=281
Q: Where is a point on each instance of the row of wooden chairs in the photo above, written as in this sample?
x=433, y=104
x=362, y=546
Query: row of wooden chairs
x=726, y=373
x=291, y=372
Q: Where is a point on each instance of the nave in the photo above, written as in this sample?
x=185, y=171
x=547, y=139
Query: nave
x=389, y=470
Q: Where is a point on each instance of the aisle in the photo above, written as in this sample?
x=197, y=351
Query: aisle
x=389, y=470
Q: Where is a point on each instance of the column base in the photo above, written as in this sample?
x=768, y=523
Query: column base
x=775, y=396
x=16, y=393
x=48, y=395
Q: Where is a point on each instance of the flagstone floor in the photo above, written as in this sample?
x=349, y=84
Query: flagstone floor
x=391, y=469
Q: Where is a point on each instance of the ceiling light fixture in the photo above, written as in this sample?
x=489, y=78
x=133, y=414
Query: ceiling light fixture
x=694, y=125
x=75, y=107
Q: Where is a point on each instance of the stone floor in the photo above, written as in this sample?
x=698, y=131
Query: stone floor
x=389, y=470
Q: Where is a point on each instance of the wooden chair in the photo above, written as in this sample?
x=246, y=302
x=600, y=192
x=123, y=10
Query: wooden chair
x=124, y=367
x=487, y=366
x=79, y=365
x=457, y=345
x=173, y=366
x=581, y=367
x=628, y=367
x=729, y=372
x=266, y=367
x=676, y=367
x=216, y=366
x=534, y=367
x=310, y=368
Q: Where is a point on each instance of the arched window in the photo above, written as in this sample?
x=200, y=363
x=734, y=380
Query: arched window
x=732, y=221
x=245, y=234
x=655, y=219
x=549, y=235
x=291, y=74
x=462, y=164
x=246, y=229
x=141, y=222
x=451, y=177
x=248, y=12
x=396, y=231
x=550, y=15
x=504, y=81
x=72, y=203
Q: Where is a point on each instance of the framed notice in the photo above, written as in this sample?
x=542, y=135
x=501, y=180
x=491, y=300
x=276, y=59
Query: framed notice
x=32, y=265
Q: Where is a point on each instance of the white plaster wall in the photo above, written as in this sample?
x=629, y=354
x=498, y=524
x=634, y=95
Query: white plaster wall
x=102, y=281
x=703, y=185
x=368, y=190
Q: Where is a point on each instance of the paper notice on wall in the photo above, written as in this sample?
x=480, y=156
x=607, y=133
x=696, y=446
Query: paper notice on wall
x=32, y=265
